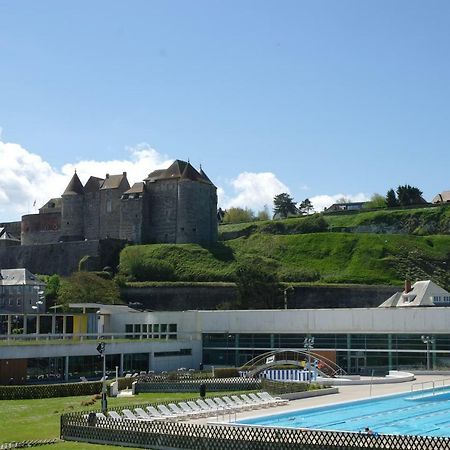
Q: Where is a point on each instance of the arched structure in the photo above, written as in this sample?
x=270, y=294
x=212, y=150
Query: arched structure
x=291, y=357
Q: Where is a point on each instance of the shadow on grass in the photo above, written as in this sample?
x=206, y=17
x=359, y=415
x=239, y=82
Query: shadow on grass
x=221, y=252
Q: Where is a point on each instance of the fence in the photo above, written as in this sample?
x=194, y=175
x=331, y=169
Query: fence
x=174, y=435
x=212, y=385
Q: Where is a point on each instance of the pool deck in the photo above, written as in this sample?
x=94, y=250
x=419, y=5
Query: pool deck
x=345, y=394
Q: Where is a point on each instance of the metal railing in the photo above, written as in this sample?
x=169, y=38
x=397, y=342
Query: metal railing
x=433, y=385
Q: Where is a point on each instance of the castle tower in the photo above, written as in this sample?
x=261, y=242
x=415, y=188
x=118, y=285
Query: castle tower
x=111, y=192
x=134, y=214
x=92, y=208
x=193, y=201
x=72, y=209
x=182, y=205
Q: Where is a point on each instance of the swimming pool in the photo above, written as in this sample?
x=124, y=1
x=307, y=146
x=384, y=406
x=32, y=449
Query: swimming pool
x=425, y=414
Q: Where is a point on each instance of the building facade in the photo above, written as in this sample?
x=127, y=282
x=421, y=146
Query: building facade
x=175, y=205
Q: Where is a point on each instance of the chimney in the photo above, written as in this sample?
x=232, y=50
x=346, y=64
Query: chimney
x=107, y=175
x=124, y=174
x=407, y=286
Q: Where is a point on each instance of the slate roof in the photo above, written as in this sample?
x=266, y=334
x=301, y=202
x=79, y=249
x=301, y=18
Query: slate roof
x=6, y=235
x=114, y=181
x=137, y=188
x=14, y=277
x=53, y=205
x=179, y=170
x=443, y=197
x=93, y=184
x=422, y=293
x=74, y=187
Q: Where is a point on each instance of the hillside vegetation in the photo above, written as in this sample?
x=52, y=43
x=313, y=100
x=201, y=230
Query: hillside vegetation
x=375, y=247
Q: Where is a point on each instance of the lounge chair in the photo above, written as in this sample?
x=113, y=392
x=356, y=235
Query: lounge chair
x=165, y=411
x=264, y=403
x=129, y=415
x=209, y=405
x=223, y=404
x=115, y=415
x=236, y=405
x=251, y=402
x=241, y=402
x=195, y=407
x=154, y=413
x=175, y=409
x=141, y=414
x=194, y=412
x=277, y=400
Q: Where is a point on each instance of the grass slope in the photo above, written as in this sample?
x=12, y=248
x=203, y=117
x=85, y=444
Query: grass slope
x=323, y=257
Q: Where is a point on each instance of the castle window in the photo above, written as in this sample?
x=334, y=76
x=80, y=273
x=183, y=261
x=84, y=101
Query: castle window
x=194, y=229
x=182, y=229
x=108, y=205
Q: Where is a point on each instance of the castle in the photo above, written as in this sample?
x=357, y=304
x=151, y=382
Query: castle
x=175, y=205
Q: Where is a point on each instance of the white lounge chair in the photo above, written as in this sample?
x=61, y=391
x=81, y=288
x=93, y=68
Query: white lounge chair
x=165, y=411
x=209, y=405
x=194, y=412
x=115, y=415
x=277, y=400
x=264, y=403
x=251, y=402
x=243, y=404
x=175, y=409
x=143, y=415
x=129, y=415
x=195, y=407
x=235, y=405
x=223, y=404
x=154, y=413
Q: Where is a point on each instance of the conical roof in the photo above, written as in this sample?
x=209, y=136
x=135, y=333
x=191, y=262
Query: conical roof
x=74, y=187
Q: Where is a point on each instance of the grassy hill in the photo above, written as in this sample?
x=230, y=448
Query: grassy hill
x=326, y=257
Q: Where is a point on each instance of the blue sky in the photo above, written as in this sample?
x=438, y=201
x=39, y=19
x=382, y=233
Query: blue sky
x=321, y=98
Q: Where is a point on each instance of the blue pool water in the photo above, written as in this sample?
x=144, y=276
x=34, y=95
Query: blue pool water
x=421, y=413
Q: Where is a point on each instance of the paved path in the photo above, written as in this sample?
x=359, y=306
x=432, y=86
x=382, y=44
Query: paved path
x=346, y=393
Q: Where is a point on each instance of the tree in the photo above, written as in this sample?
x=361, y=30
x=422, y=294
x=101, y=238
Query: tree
x=264, y=214
x=376, y=201
x=258, y=285
x=391, y=199
x=86, y=287
x=237, y=215
x=409, y=195
x=284, y=205
x=305, y=206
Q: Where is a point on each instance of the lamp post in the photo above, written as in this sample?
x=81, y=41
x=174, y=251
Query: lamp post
x=285, y=295
x=428, y=340
x=308, y=344
x=101, y=350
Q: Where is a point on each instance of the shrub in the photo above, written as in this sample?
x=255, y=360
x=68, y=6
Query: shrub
x=226, y=372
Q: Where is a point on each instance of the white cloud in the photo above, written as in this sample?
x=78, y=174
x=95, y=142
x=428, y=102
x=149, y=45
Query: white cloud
x=252, y=190
x=25, y=177
x=320, y=202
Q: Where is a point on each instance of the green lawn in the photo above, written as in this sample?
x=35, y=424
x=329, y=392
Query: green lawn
x=39, y=419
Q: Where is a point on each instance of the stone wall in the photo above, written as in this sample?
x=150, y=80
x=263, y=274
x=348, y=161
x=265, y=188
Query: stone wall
x=41, y=228
x=60, y=258
x=173, y=298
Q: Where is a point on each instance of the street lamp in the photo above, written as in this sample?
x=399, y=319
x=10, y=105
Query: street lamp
x=101, y=350
x=428, y=340
x=285, y=295
x=308, y=344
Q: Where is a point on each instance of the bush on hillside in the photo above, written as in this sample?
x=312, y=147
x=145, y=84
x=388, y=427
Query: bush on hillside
x=226, y=372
